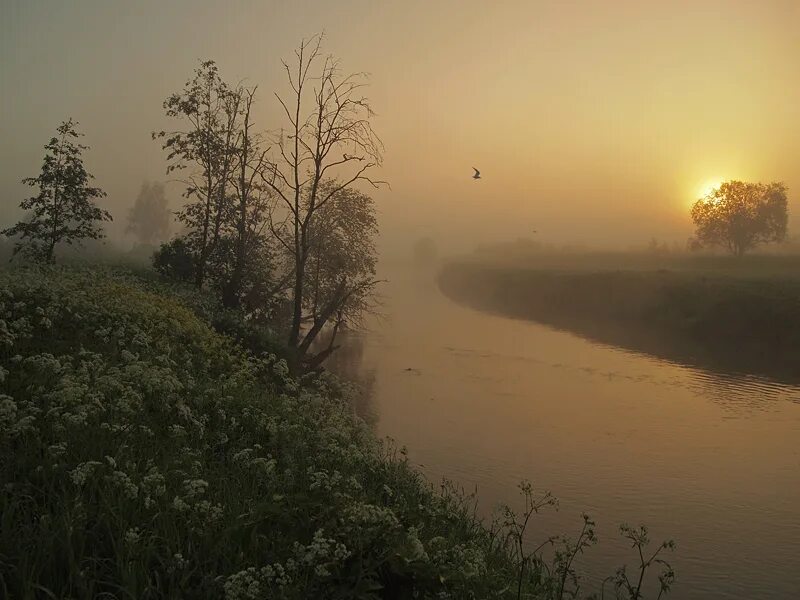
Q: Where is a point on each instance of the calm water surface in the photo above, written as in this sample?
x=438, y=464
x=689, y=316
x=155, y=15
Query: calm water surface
x=712, y=461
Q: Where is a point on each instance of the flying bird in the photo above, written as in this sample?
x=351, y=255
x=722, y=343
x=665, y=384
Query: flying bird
x=477, y=173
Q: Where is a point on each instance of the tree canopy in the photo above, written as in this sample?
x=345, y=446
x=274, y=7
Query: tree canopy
x=275, y=222
x=738, y=216
x=64, y=209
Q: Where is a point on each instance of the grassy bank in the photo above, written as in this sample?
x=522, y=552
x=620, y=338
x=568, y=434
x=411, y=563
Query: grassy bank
x=144, y=455
x=733, y=320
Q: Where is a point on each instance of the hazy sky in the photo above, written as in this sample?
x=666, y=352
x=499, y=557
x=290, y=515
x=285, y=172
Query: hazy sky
x=593, y=122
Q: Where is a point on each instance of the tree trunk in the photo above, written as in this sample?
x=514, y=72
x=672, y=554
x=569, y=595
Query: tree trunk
x=51, y=259
x=234, y=291
x=297, y=310
x=203, y=257
x=50, y=252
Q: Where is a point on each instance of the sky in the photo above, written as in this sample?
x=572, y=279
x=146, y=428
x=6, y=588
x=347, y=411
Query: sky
x=593, y=122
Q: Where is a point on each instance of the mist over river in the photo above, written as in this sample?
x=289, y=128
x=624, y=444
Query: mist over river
x=707, y=459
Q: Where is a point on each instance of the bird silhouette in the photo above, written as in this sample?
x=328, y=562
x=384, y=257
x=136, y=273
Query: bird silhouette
x=477, y=173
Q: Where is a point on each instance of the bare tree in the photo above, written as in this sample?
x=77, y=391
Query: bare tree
x=329, y=136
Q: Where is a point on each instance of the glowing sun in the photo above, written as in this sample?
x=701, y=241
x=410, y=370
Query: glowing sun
x=708, y=186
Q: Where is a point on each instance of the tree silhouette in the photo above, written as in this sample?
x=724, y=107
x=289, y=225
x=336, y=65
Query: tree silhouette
x=63, y=210
x=150, y=219
x=738, y=216
x=340, y=273
x=328, y=138
x=206, y=109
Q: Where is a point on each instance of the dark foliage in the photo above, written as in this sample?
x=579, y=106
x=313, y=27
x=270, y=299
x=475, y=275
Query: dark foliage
x=64, y=209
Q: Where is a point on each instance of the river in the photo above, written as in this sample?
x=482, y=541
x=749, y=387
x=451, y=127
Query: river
x=709, y=460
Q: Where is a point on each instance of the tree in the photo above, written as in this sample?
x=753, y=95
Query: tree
x=250, y=207
x=208, y=109
x=64, y=209
x=150, y=219
x=739, y=216
x=329, y=136
x=340, y=273
x=227, y=216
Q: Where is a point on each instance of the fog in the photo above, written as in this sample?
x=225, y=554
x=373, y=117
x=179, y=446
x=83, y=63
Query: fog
x=575, y=316
x=593, y=123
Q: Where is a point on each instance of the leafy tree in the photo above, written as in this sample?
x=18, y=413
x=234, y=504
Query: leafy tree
x=150, y=219
x=340, y=272
x=227, y=213
x=250, y=248
x=328, y=136
x=739, y=216
x=227, y=217
x=257, y=220
x=207, y=109
x=64, y=209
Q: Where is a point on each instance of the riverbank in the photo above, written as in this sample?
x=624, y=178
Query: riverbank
x=145, y=455
x=739, y=322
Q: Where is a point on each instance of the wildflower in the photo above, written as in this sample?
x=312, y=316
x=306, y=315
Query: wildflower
x=195, y=487
x=207, y=512
x=242, y=456
x=415, y=547
x=244, y=585
x=8, y=411
x=57, y=450
x=153, y=484
x=177, y=431
x=121, y=480
x=133, y=536
x=265, y=465
x=180, y=504
x=81, y=473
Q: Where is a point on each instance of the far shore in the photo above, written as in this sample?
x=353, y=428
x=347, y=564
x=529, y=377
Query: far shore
x=736, y=320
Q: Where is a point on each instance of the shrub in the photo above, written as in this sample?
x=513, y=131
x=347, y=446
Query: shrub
x=174, y=260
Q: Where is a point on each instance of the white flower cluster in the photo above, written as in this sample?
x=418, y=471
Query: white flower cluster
x=81, y=474
x=255, y=584
x=178, y=444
